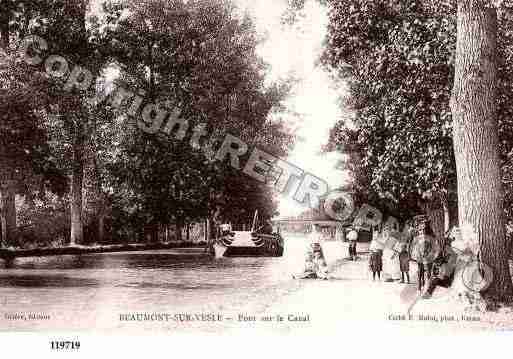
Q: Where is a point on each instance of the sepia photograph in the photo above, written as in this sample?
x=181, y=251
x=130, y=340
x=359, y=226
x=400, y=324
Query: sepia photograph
x=255, y=167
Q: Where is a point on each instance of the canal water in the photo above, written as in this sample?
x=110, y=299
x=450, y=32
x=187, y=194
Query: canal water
x=93, y=291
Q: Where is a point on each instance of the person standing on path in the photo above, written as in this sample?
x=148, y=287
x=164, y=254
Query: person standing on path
x=376, y=253
x=353, y=239
x=376, y=264
x=404, y=263
x=424, y=252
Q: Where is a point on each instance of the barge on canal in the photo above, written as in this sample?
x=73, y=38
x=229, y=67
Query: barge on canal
x=251, y=243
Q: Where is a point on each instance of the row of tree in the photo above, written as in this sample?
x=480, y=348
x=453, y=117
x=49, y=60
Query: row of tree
x=431, y=122
x=75, y=165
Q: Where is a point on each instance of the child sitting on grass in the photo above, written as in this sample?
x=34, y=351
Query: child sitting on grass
x=321, y=268
x=309, y=270
x=315, y=267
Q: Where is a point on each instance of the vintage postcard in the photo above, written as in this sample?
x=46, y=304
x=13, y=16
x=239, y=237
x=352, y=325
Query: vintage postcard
x=255, y=167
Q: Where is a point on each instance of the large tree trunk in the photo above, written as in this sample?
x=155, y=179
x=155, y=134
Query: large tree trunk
x=77, y=10
x=8, y=206
x=437, y=211
x=435, y=214
x=206, y=232
x=447, y=215
x=179, y=230
x=101, y=227
x=95, y=203
x=4, y=33
x=473, y=105
x=77, y=175
x=4, y=27
x=8, y=211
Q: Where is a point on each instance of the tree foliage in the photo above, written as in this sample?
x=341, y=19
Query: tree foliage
x=398, y=58
x=197, y=56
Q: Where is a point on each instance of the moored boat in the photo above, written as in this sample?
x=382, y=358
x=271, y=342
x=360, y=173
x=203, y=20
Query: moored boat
x=248, y=243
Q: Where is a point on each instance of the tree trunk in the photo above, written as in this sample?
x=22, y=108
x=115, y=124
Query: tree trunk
x=4, y=28
x=436, y=214
x=8, y=211
x=155, y=230
x=179, y=229
x=94, y=202
x=151, y=233
x=77, y=175
x=447, y=215
x=160, y=233
x=436, y=217
x=101, y=227
x=4, y=33
x=207, y=231
x=188, y=232
x=473, y=106
x=8, y=206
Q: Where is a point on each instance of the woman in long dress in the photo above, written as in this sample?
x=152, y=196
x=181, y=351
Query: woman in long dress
x=390, y=257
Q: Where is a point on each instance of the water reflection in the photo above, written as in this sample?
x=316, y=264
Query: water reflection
x=90, y=291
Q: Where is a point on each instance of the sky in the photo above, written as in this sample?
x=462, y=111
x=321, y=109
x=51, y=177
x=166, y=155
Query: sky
x=314, y=98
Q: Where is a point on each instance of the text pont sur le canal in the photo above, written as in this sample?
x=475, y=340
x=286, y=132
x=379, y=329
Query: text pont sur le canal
x=209, y=317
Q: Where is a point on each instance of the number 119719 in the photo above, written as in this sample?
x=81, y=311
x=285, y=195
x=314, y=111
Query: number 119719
x=65, y=345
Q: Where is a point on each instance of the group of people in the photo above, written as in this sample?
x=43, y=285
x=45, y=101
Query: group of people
x=435, y=258
x=400, y=251
x=315, y=263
